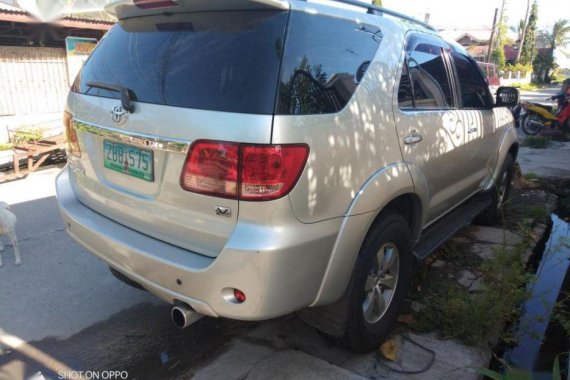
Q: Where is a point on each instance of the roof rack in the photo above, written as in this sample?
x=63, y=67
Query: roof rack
x=373, y=9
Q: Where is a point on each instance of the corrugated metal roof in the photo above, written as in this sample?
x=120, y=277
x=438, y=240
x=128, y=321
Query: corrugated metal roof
x=70, y=22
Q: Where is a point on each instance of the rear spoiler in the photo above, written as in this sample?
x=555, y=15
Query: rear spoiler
x=122, y=9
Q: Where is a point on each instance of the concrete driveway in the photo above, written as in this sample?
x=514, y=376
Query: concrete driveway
x=62, y=311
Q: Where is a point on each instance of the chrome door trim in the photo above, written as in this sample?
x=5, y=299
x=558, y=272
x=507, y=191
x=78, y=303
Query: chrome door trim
x=166, y=144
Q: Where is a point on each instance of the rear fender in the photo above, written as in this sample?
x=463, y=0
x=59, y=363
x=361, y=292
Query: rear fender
x=382, y=187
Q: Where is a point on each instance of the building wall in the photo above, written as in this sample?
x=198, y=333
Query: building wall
x=33, y=80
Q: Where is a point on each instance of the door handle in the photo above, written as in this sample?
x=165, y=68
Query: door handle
x=414, y=138
x=472, y=130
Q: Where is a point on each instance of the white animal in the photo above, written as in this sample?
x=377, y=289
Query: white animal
x=7, y=224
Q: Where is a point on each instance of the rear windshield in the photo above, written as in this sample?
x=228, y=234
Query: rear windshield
x=223, y=61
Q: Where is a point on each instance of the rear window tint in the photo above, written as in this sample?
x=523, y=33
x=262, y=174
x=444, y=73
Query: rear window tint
x=325, y=60
x=222, y=61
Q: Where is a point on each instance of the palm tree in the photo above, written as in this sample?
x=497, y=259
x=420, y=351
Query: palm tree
x=560, y=33
x=558, y=39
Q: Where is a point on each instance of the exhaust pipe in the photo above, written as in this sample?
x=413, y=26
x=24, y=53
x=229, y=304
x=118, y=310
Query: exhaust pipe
x=183, y=315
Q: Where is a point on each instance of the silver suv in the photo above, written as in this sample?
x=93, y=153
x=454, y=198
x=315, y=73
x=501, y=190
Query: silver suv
x=249, y=159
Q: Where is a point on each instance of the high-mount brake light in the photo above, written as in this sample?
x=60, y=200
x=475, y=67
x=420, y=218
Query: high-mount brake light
x=243, y=171
x=152, y=4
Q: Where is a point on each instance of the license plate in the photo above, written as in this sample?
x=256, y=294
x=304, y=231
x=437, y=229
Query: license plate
x=128, y=160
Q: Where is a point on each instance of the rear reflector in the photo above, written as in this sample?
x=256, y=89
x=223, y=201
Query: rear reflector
x=72, y=144
x=244, y=171
x=152, y=4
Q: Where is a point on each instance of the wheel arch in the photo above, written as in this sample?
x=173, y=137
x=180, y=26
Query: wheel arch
x=509, y=145
x=389, y=189
x=329, y=311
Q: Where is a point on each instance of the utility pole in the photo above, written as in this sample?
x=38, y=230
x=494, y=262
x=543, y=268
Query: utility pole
x=492, y=40
x=525, y=25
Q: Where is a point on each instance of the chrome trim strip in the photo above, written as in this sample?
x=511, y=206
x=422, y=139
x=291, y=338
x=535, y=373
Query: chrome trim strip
x=139, y=139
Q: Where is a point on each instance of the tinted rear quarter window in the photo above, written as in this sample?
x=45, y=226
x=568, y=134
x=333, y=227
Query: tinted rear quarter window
x=223, y=61
x=325, y=59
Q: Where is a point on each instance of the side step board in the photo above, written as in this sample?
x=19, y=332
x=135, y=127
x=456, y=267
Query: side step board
x=442, y=230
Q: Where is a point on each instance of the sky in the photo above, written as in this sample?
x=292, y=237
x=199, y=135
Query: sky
x=466, y=14
x=462, y=13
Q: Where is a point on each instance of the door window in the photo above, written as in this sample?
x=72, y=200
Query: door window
x=474, y=91
x=425, y=81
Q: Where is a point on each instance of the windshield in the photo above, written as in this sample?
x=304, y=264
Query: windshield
x=222, y=61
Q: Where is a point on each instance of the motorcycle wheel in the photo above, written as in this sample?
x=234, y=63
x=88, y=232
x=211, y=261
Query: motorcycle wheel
x=532, y=124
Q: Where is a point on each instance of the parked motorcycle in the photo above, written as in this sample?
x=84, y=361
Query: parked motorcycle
x=538, y=116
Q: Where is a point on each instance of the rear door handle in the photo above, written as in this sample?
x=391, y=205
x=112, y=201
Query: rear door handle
x=472, y=130
x=414, y=138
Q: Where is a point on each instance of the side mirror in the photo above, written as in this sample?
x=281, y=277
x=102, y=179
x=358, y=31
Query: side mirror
x=507, y=97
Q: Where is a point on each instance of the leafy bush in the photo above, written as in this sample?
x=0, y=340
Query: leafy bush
x=524, y=69
x=5, y=146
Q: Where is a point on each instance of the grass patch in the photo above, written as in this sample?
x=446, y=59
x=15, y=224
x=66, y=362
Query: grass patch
x=473, y=318
x=7, y=146
x=538, y=212
x=526, y=86
x=530, y=176
x=536, y=142
x=27, y=134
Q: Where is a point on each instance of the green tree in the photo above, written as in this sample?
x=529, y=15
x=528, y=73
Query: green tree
x=527, y=50
x=498, y=55
x=378, y=3
x=560, y=35
x=558, y=39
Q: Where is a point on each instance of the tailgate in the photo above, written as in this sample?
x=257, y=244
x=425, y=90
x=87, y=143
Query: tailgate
x=190, y=76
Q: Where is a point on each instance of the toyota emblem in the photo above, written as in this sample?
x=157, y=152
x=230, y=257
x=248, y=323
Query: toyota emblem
x=119, y=115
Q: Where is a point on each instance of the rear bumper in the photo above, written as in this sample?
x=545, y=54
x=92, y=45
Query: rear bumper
x=279, y=267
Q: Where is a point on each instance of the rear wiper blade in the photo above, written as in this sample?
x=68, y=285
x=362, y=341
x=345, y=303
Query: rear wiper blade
x=126, y=94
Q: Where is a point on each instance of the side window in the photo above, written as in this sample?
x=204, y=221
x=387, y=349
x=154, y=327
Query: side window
x=428, y=74
x=324, y=61
x=472, y=86
x=425, y=82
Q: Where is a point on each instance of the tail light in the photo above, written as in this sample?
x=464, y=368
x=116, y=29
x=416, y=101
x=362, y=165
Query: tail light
x=72, y=144
x=212, y=168
x=244, y=171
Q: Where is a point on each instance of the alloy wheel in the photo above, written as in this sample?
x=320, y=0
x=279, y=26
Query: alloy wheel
x=381, y=283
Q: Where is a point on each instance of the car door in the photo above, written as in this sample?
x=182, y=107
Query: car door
x=429, y=131
x=476, y=115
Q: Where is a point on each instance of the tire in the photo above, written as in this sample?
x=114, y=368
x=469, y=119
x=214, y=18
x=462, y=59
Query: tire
x=500, y=193
x=529, y=128
x=368, y=324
